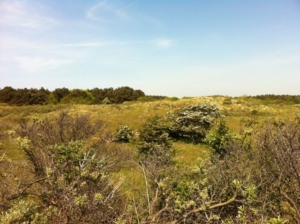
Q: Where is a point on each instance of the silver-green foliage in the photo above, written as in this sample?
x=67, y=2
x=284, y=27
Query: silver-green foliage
x=69, y=182
x=256, y=181
x=124, y=133
x=192, y=123
x=76, y=181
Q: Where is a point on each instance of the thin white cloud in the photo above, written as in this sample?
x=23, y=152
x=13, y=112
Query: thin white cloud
x=105, y=12
x=21, y=14
x=96, y=44
x=33, y=64
x=18, y=43
x=164, y=43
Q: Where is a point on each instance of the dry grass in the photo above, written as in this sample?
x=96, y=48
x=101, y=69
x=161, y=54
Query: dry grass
x=135, y=114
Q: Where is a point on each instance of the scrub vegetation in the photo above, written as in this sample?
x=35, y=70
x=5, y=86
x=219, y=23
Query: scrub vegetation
x=150, y=159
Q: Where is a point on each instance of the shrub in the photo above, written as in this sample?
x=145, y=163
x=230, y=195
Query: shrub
x=106, y=101
x=124, y=134
x=219, y=139
x=227, y=101
x=192, y=123
x=75, y=181
x=257, y=181
x=254, y=112
x=69, y=180
x=153, y=129
x=154, y=141
x=60, y=129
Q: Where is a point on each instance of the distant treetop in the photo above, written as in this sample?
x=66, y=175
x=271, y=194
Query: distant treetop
x=63, y=95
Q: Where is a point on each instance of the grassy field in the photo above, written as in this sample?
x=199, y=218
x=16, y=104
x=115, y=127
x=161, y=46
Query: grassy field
x=135, y=114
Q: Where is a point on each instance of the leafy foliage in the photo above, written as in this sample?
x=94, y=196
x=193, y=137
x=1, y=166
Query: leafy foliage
x=155, y=145
x=77, y=96
x=250, y=183
x=70, y=180
x=75, y=186
x=59, y=94
x=192, y=123
x=63, y=95
x=24, y=96
x=124, y=134
x=279, y=99
x=61, y=129
x=106, y=101
x=220, y=138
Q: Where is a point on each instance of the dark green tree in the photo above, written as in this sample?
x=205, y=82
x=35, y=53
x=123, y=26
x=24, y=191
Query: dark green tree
x=122, y=94
x=7, y=94
x=78, y=96
x=60, y=93
x=98, y=94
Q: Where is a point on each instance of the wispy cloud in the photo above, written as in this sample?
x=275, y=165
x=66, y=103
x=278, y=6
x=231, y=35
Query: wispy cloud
x=164, y=43
x=12, y=43
x=161, y=42
x=96, y=44
x=18, y=13
x=33, y=64
x=106, y=12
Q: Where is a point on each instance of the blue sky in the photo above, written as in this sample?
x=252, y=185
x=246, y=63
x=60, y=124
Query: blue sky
x=173, y=48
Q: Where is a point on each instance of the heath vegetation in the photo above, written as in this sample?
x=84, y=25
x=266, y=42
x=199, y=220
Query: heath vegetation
x=119, y=156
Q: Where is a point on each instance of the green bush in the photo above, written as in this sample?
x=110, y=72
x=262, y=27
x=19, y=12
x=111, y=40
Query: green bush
x=219, y=139
x=227, y=101
x=70, y=178
x=106, y=101
x=192, y=123
x=75, y=181
x=124, y=134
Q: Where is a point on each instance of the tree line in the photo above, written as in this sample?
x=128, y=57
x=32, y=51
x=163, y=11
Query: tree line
x=64, y=95
x=279, y=99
